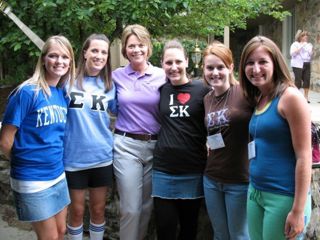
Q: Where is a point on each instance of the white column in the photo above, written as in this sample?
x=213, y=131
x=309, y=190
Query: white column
x=117, y=60
x=226, y=36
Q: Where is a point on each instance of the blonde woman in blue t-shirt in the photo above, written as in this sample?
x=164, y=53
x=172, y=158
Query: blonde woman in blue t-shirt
x=32, y=139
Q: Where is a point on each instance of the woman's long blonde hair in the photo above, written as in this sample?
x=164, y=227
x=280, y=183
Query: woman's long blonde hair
x=39, y=76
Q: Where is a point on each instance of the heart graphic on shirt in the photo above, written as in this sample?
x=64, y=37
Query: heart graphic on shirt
x=183, y=97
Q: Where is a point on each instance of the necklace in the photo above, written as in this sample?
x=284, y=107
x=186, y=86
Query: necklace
x=219, y=99
x=263, y=102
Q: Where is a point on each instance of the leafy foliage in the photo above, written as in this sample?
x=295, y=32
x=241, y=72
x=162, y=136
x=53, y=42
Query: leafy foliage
x=76, y=19
x=209, y=17
x=188, y=44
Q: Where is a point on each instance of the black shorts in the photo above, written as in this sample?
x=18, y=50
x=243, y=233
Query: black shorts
x=90, y=178
x=302, y=75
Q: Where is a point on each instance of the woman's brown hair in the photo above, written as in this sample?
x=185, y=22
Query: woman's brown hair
x=281, y=75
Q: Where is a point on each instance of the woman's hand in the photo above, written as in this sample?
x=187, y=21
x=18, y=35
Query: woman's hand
x=294, y=224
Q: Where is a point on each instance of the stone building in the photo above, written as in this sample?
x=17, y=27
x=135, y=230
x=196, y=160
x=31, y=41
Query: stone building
x=305, y=15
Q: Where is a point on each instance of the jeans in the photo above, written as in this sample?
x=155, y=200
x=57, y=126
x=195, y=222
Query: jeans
x=132, y=168
x=39, y=206
x=226, y=206
x=182, y=186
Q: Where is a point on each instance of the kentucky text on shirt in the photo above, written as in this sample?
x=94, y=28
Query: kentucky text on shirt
x=50, y=115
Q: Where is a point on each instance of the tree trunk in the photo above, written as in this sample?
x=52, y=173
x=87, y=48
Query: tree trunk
x=118, y=30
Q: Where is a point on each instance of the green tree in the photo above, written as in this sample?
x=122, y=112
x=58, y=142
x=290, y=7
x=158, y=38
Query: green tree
x=211, y=16
x=76, y=19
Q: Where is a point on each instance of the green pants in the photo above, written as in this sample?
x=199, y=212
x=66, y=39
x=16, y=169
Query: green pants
x=267, y=214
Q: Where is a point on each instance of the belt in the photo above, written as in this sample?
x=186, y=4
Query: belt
x=142, y=137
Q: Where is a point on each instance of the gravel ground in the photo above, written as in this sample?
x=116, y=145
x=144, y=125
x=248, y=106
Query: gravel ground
x=11, y=228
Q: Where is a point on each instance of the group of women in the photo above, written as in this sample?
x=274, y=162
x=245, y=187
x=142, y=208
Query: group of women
x=176, y=140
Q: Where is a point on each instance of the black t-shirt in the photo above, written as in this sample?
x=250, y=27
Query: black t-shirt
x=181, y=146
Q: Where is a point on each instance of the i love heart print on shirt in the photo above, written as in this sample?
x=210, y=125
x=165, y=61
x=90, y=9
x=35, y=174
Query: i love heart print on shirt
x=179, y=108
x=183, y=98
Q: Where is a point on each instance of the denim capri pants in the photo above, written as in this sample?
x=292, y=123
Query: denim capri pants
x=38, y=206
x=184, y=186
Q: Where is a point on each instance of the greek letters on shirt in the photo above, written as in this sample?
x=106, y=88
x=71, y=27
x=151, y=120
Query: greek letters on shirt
x=179, y=108
x=98, y=102
x=218, y=118
x=50, y=115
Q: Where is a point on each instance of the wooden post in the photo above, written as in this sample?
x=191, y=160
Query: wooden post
x=226, y=36
x=117, y=59
x=6, y=9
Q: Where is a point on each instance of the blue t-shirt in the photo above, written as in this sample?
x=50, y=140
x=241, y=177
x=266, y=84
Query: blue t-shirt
x=273, y=168
x=88, y=139
x=38, y=144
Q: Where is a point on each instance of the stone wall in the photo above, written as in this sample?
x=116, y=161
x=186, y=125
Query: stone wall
x=111, y=212
x=307, y=17
x=313, y=229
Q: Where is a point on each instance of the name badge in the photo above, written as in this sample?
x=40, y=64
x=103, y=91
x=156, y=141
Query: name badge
x=252, y=149
x=215, y=141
